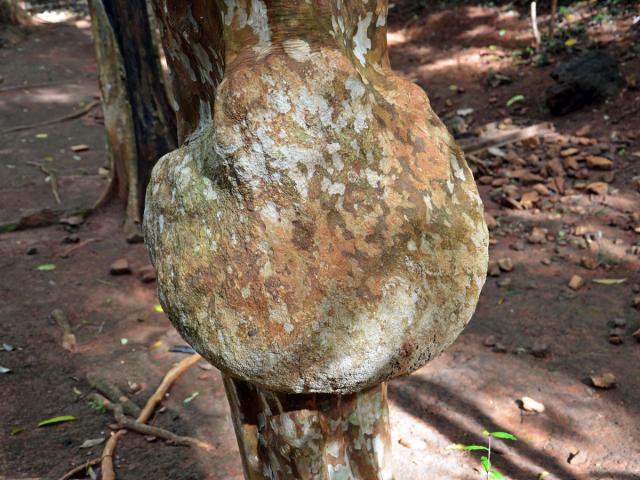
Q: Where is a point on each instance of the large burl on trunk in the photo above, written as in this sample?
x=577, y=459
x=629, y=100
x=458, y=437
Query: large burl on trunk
x=318, y=230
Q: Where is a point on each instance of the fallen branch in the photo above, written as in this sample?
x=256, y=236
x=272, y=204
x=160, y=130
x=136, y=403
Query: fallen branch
x=501, y=138
x=114, y=394
x=132, y=425
x=108, y=473
x=71, y=116
x=52, y=178
x=80, y=468
x=68, y=251
x=41, y=218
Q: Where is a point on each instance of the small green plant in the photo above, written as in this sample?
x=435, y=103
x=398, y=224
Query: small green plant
x=485, y=461
x=97, y=405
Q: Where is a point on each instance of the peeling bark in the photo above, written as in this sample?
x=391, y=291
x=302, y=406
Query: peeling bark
x=317, y=232
x=139, y=122
x=311, y=436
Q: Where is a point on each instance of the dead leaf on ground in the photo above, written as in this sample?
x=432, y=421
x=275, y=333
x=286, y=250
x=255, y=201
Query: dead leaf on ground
x=531, y=405
x=413, y=443
x=605, y=380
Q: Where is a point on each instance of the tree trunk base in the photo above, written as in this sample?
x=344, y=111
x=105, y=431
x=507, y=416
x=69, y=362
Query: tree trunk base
x=311, y=436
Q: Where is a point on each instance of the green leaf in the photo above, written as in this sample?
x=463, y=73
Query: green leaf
x=5, y=369
x=456, y=446
x=191, y=397
x=609, y=281
x=504, y=435
x=16, y=431
x=158, y=308
x=515, y=99
x=475, y=447
x=486, y=464
x=46, y=267
x=56, y=420
x=496, y=475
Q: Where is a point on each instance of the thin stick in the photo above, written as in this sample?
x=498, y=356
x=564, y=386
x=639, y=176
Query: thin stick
x=534, y=24
x=68, y=251
x=80, y=468
x=77, y=114
x=127, y=423
x=52, y=179
x=172, y=375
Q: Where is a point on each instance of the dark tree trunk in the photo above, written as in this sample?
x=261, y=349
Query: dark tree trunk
x=140, y=122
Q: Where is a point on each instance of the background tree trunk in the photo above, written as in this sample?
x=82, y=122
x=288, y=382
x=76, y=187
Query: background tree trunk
x=11, y=13
x=139, y=120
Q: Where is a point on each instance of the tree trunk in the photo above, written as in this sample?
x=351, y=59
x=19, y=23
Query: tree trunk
x=139, y=120
x=311, y=436
x=11, y=13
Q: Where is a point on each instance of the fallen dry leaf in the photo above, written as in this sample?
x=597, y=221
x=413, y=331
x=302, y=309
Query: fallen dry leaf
x=531, y=405
x=413, y=443
x=599, y=163
x=598, y=188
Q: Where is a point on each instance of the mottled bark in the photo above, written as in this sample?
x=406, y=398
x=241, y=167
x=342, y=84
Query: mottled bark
x=139, y=121
x=318, y=231
x=311, y=436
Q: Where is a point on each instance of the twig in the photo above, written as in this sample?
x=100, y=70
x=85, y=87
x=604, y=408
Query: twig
x=35, y=86
x=68, y=338
x=80, y=468
x=500, y=139
x=113, y=393
x=132, y=425
x=77, y=114
x=172, y=375
x=168, y=380
x=52, y=178
x=68, y=251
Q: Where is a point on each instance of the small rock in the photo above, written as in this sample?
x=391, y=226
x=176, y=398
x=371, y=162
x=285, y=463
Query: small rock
x=147, y=274
x=504, y=283
x=619, y=322
x=590, y=263
x=598, y=188
x=538, y=235
x=491, y=221
x=32, y=251
x=569, y=152
x=636, y=301
x=499, y=348
x=79, y=148
x=120, y=267
x=489, y=341
x=518, y=246
x=616, y=336
x=546, y=261
x=636, y=335
x=505, y=264
x=494, y=269
x=531, y=405
x=73, y=221
x=604, y=380
x=413, y=443
x=576, y=457
x=576, y=282
x=599, y=163
x=73, y=238
x=540, y=349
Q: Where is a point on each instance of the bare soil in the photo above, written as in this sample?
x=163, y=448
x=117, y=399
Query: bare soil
x=583, y=433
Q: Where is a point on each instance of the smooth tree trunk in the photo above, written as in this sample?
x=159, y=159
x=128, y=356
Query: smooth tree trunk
x=139, y=121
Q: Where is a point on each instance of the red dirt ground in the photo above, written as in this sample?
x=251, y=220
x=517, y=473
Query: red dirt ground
x=584, y=433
